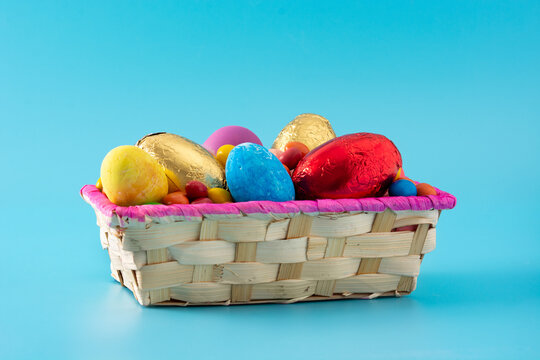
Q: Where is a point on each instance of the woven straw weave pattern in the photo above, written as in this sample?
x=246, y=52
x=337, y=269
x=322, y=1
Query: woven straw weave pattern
x=223, y=260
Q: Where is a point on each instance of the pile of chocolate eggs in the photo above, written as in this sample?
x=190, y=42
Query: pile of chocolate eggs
x=306, y=161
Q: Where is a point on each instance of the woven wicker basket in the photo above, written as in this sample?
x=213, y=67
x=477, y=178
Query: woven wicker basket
x=260, y=252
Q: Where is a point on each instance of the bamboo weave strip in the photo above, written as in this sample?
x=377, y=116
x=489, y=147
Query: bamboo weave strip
x=253, y=260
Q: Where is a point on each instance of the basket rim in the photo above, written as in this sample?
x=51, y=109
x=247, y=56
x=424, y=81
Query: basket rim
x=442, y=201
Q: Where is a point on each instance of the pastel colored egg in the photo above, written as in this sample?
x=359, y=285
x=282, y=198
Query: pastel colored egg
x=204, y=200
x=132, y=177
x=402, y=188
x=177, y=197
x=254, y=173
x=223, y=153
x=219, y=196
x=232, y=135
x=196, y=189
x=310, y=129
x=348, y=167
x=424, y=189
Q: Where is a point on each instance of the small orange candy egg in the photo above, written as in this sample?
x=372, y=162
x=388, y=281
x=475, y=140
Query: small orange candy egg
x=287, y=168
x=296, y=144
x=177, y=197
x=404, y=178
x=424, y=189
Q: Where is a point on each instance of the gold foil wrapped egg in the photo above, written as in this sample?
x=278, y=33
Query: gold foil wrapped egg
x=183, y=160
x=310, y=129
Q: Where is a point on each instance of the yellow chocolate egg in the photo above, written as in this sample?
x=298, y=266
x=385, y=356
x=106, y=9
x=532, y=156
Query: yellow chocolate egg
x=219, y=196
x=183, y=160
x=223, y=153
x=173, y=181
x=99, y=185
x=310, y=129
x=132, y=177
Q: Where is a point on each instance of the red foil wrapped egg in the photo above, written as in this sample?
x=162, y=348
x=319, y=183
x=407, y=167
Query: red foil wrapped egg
x=350, y=166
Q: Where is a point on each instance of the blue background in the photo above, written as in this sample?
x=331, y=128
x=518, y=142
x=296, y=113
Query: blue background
x=455, y=84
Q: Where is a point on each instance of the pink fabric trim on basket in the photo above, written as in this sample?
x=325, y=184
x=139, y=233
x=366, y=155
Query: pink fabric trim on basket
x=98, y=200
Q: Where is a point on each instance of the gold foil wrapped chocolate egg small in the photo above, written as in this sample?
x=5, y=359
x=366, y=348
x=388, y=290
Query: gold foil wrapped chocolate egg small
x=310, y=129
x=184, y=160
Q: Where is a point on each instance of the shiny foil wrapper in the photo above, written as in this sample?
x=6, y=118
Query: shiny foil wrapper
x=183, y=160
x=350, y=166
x=310, y=129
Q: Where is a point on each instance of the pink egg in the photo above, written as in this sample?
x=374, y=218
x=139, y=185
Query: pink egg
x=232, y=135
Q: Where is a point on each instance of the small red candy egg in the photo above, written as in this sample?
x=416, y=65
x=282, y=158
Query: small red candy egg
x=406, y=228
x=424, y=189
x=291, y=157
x=196, y=189
x=203, y=200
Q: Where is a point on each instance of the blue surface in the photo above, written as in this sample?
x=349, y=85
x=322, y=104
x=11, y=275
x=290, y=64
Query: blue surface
x=455, y=84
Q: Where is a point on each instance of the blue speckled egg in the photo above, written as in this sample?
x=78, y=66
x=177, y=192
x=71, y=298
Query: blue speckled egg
x=254, y=173
x=402, y=188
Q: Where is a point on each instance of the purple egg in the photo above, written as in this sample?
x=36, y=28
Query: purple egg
x=232, y=135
